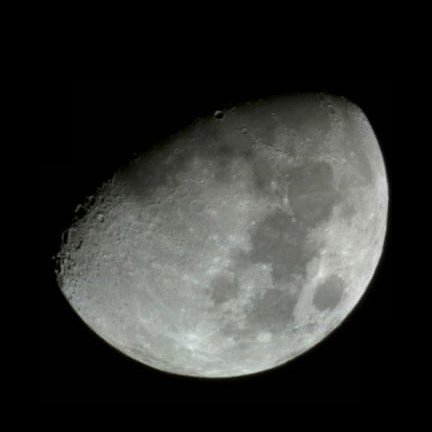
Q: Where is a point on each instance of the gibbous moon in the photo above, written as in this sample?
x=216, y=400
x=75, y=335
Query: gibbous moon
x=238, y=244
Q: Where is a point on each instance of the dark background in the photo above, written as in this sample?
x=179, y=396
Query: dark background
x=94, y=126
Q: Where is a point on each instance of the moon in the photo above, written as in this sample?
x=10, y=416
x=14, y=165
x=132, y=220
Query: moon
x=238, y=244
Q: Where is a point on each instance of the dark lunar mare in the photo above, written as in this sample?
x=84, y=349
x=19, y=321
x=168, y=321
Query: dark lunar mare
x=280, y=241
x=329, y=293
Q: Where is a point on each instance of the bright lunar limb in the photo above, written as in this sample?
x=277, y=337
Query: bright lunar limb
x=238, y=244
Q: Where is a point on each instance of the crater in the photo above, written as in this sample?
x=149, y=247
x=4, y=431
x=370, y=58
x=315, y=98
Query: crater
x=219, y=115
x=329, y=293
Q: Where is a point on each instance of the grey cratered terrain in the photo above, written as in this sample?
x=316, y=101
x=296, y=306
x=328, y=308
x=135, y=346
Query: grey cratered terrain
x=236, y=245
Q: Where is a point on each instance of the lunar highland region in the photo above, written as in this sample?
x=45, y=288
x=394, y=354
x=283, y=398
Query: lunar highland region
x=237, y=244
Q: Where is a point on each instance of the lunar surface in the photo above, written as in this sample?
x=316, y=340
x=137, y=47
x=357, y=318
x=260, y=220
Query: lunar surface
x=238, y=244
